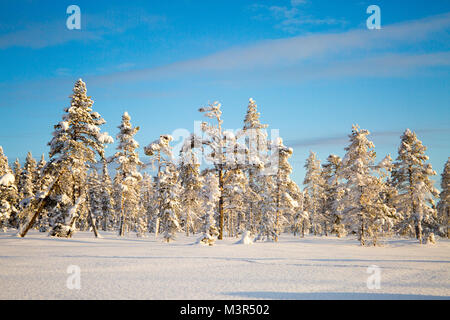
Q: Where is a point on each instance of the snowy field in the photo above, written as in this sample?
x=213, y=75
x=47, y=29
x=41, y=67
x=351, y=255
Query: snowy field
x=131, y=268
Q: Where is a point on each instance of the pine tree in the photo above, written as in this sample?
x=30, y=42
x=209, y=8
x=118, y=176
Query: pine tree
x=256, y=144
x=170, y=205
x=278, y=204
x=41, y=182
x=411, y=176
x=301, y=223
x=331, y=173
x=235, y=192
x=107, y=203
x=388, y=194
x=361, y=199
x=444, y=202
x=17, y=169
x=216, y=141
x=94, y=198
x=76, y=141
x=211, y=195
x=161, y=155
x=27, y=179
x=26, y=186
x=191, y=185
x=127, y=175
x=145, y=204
x=314, y=185
x=8, y=192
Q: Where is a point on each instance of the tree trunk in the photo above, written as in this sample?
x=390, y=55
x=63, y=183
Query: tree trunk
x=94, y=227
x=448, y=222
x=40, y=207
x=419, y=230
x=361, y=237
x=122, y=218
x=221, y=216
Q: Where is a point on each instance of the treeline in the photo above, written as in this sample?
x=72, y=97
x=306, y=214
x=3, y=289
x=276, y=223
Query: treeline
x=246, y=186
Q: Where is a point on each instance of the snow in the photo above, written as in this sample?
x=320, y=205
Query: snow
x=64, y=125
x=246, y=238
x=7, y=180
x=105, y=138
x=36, y=267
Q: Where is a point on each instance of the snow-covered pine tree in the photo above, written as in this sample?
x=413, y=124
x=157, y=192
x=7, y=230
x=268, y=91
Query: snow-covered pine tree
x=411, y=176
x=268, y=228
x=235, y=195
x=301, y=223
x=27, y=178
x=216, y=141
x=191, y=185
x=256, y=144
x=127, y=174
x=94, y=198
x=107, y=204
x=41, y=183
x=26, y=185
x=17, y=169
x=145, y=204
x=161, y=156
x=278, y=203
x=14, y=219
x=169, y=189
x=76, y=141
x=444, y=202
x=388, y=194
x=361, y=199
x=210, y=195
x=8, y=191
x=330, y=173
x=315, y=186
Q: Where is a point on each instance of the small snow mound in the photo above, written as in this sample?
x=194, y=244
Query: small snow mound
x=246, y=238
x=61, y=231
x=431, y=239
x=206, y=239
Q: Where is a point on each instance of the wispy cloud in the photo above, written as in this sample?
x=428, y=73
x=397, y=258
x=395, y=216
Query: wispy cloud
x=39, y=35
x=342, y=140
x=291, y=17
x=351, y=53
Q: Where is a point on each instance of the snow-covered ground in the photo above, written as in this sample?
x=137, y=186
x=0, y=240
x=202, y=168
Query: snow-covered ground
x=145, y=268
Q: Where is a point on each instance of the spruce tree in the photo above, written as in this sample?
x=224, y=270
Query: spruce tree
x=411, y=176
x=331, y=172
x=127, y=174
x=210, y=195
x=191, y=185
x=170, y=206
x=315, y=185
x=256, y=144
x=76, y=141
x=362, y=206
x=161, y=157
x=8, y=192
x=444, y=201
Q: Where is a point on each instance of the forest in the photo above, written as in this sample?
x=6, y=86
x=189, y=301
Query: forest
x=222, y=183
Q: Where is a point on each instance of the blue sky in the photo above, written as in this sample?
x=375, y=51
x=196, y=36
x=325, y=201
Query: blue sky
x=312, y=66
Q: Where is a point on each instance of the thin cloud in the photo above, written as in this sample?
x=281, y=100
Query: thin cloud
x=322, y=49
x=342, y=140
x=93, y=27
x=290, y=18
